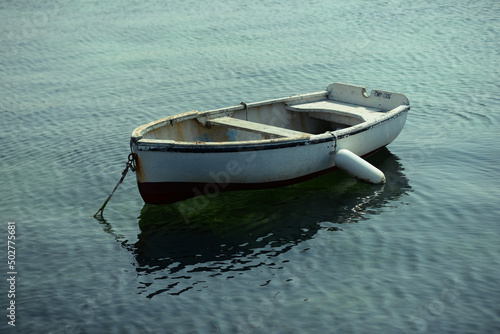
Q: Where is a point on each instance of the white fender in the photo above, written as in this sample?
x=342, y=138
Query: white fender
x=358, y=167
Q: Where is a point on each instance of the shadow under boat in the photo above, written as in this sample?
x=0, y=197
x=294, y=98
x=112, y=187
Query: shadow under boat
x=232, y=231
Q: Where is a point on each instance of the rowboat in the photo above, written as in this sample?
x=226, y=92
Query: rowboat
x=265, y=144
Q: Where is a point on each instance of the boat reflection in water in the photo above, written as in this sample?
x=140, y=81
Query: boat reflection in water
x=181, y=246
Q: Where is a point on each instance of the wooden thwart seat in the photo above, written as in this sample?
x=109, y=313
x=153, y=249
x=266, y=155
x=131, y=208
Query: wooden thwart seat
x=256, y=127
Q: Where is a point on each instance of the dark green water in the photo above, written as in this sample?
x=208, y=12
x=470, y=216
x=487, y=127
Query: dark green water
x=420, y=254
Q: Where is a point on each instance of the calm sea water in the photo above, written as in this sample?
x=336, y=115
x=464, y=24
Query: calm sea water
x=420, y=254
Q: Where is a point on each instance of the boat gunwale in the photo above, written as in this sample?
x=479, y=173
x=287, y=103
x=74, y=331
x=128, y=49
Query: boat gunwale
x=164, y=145
x=152, y=144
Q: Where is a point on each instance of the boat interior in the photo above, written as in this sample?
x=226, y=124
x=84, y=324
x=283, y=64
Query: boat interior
x=272, y=121
x=293, y=117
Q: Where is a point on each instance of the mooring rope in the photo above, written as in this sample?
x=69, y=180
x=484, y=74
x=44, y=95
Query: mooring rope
x=245, y=107
x=336, y=139
x=131, y=164
x=335, y=145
